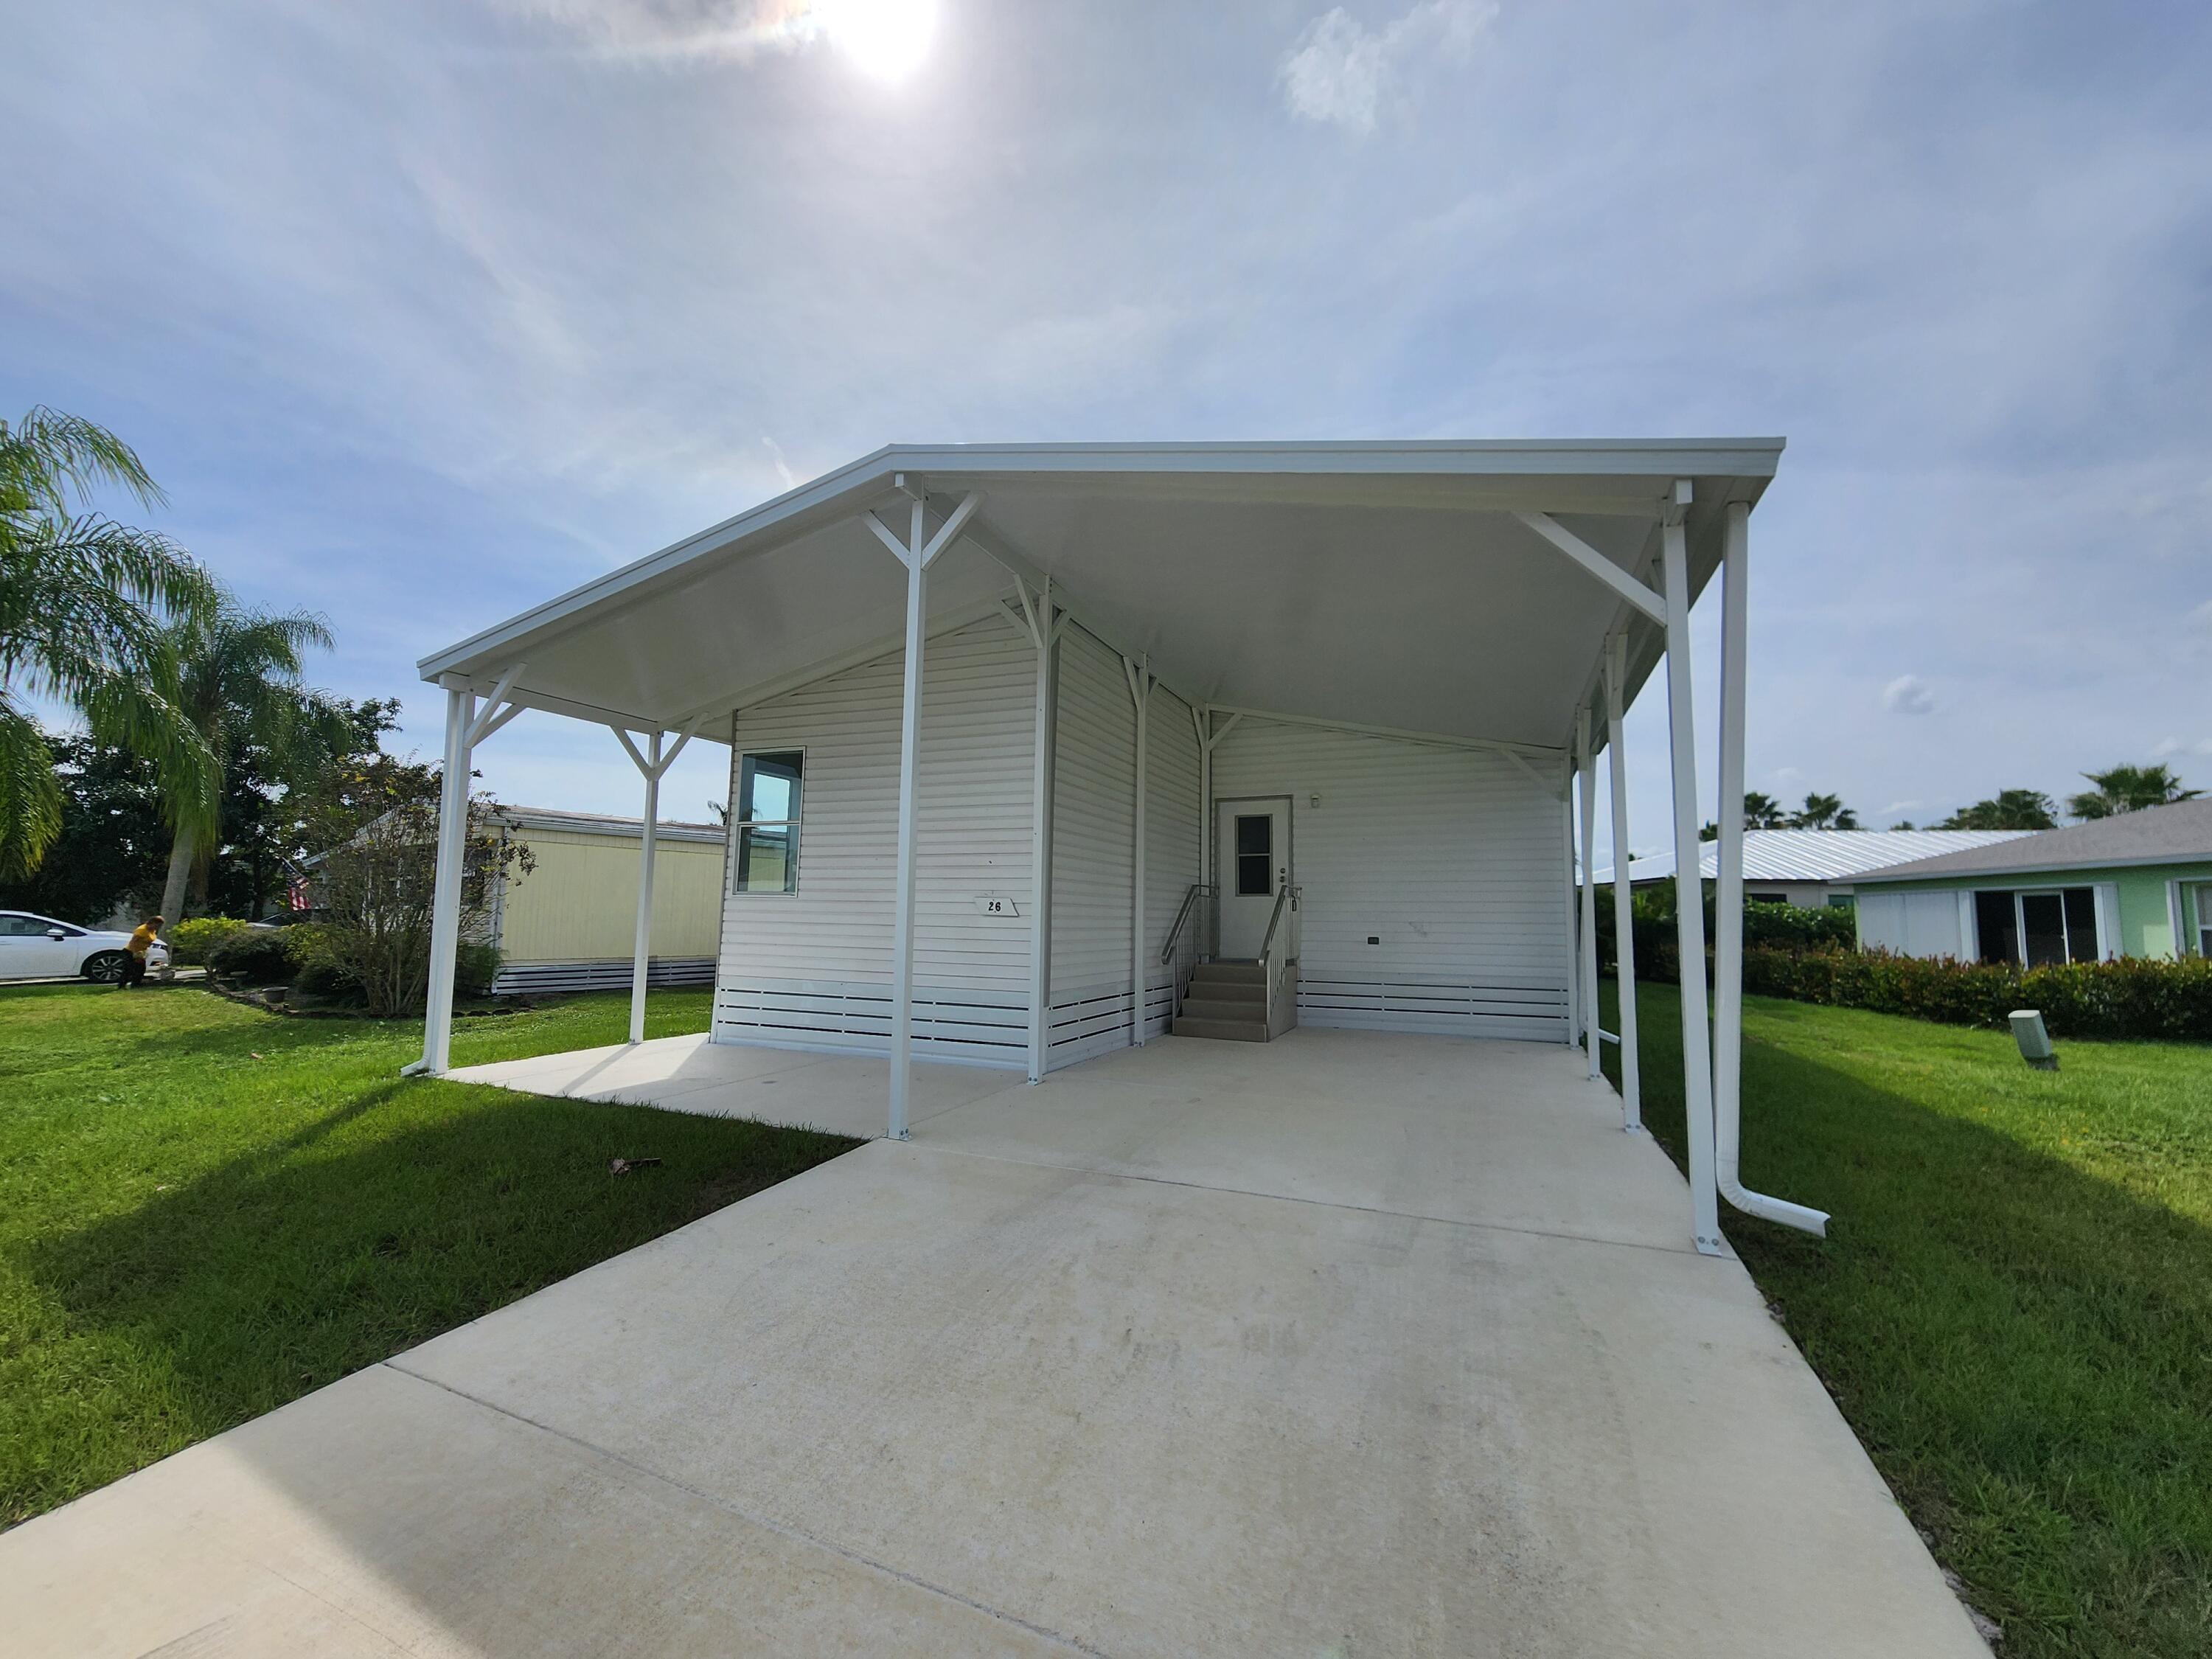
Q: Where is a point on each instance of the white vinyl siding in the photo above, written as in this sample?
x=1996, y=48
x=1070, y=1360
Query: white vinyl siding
x=1093, y=851
x=812, y=968
x=1448, y=857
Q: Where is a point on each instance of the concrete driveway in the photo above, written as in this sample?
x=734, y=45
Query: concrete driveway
x=1345, y=1345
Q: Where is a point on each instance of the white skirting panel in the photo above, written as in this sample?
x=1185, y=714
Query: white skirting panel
x=973, y=1028
x=1530, y=1012
x=610, y=974
x=1095, y=1020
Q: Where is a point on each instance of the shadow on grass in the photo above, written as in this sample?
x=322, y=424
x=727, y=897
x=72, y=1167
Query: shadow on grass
x=404, y=1210
x=2024, y=1349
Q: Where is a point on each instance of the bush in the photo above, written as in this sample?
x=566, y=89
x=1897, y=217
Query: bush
x=2133, y=997
x=474, y=967
x=259, y=955
x=192, y=942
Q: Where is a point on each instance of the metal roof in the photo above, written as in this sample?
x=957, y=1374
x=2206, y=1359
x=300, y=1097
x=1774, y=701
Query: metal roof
x=1388, y=584
x=603, y=823
x=1821, y=854
x=2177, y=834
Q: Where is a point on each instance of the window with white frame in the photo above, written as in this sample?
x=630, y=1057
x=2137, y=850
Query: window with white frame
x=2037, y=927
x=767, y=821
x=2204, y=919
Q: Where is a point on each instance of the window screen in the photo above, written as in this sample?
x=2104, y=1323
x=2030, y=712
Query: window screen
x=1998, y=925
x=2204, y=919
x=766, y=859
x=1255, y=856
x=2081, y=924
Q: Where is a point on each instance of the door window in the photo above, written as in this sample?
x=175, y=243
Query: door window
x=25, y=926
x=1255, y=855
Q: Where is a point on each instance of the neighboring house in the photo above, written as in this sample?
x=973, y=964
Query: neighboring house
x=570, y=924
x=2137, y=884
x=1815, y=867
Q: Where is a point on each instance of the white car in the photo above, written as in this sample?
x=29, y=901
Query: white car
x=39, y=947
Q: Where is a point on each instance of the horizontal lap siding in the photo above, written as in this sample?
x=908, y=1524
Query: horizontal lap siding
x=1093, y=851
x=814, y=968
x=1450, y=856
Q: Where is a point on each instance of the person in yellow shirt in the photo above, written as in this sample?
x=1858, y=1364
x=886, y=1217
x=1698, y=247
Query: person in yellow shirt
x=141, y=941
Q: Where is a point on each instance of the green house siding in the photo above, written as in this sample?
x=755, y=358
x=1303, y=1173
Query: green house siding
x=2146, y=919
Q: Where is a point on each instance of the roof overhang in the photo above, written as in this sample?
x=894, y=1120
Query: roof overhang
x=1388, y=584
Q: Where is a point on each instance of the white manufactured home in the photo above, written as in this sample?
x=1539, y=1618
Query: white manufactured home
x=1040, y=751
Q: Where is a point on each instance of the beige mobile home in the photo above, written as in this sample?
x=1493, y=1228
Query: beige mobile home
x=569, y=923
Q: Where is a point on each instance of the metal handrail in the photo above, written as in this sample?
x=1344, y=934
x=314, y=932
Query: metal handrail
x=1189, y=905
x=1275, y=919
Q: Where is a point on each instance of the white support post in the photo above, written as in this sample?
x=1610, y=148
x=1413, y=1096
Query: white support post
x=1728, y=897
x=917, y=596
x=1044, y=634
x=1140, y=691
x=1567, y=873
x=1624, y=900
x=1590, y=1021
x=1689, y=888
x=641, y=956
x=445, y=897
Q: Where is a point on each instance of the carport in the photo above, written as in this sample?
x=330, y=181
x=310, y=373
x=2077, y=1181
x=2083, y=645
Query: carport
x=1508, y=599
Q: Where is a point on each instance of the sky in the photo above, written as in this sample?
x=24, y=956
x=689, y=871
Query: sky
x=423, y=312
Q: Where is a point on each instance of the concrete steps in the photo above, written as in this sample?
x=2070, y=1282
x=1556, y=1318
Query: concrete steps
x=1227, y=1001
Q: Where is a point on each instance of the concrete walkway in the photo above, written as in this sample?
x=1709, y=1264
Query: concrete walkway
x=1345, y=1344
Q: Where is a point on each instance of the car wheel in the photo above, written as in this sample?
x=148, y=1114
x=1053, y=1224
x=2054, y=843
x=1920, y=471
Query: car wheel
x=106, y=967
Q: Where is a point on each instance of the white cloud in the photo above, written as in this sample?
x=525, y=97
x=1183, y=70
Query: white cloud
x=1339, y=72
x=1908, y=694
x=679, y=30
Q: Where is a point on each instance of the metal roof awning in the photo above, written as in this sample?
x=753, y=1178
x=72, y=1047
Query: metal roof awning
x=1445, y=587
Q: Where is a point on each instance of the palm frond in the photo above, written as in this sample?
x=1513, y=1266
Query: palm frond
x=47, y=455
x=30, y=795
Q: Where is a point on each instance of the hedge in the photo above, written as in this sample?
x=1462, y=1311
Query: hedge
x=192, y=941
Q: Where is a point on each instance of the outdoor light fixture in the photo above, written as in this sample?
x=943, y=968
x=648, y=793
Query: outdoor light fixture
x=2034, y=1042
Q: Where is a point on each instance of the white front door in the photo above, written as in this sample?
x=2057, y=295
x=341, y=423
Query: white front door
x=1252, y=866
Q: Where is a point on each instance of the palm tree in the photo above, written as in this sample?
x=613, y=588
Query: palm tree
x=83, y=601
x=2009, y=809
x=1824, y=813
x=2128, y=789
x=1762, y=811
x=237, y=679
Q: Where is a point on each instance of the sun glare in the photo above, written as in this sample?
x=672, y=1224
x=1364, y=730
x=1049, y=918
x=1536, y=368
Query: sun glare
x=886, y=38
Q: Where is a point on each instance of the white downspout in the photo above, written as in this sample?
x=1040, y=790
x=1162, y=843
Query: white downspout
x=1727, y=900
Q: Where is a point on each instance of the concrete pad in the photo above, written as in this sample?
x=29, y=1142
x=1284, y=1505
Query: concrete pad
x=845, y=1094
x=1233, y=1349
x=384, y=1516
x=1512, y=1134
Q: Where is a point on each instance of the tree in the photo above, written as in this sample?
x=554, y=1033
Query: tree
x=374, y=892
x=2009, y=809
x=234, y=674
x=2128, y=789
x=272, y=822
x=112, y=843
x=83, y=602
x=1824, y=813
x=1763, y=812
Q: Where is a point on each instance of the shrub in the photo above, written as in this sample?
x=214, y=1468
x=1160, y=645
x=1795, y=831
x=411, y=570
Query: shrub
x=192, y=942
x=259, y=955
x=474, y=967
x=2133, y=997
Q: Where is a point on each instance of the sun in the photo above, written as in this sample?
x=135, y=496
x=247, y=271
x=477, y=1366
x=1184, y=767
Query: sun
x=885, y=39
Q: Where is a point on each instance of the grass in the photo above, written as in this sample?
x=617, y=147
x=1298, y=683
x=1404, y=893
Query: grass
x=206, y=1211
x=2013, y=1307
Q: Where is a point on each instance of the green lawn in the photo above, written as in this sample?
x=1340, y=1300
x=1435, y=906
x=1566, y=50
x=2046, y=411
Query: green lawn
x=2014, y=1306
x=206, y=1211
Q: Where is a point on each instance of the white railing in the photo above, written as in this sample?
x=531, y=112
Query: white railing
x=1186, y=945
x=1277, y=960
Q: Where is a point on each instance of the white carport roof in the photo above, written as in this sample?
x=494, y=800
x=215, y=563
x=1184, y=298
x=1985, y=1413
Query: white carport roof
x=1381, y=584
